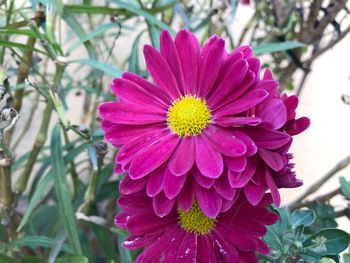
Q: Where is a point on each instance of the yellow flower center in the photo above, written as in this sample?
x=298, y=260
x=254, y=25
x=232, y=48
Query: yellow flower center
x=194, y=221
x=188, y=116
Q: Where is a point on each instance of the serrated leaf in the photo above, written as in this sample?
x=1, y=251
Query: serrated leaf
x=345, y=186
x=275, y=47
x=302, y=217
x=326, y=242
x=63, y=191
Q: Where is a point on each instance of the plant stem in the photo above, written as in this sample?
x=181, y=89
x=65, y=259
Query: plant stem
x=319, y=200
x=24, y=68
x=313, y=188
x=41, y=137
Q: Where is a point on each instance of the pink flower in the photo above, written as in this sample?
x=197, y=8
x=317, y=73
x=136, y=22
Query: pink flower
x=270, y=168
x=246, y=2
x=202, y=129
x=233, y=236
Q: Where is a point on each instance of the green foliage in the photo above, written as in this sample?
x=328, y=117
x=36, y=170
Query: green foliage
x=59, y=58
x=292, y=240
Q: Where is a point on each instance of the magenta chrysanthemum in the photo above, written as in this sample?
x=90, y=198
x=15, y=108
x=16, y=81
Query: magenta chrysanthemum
x=233, y=236
x=202, y=129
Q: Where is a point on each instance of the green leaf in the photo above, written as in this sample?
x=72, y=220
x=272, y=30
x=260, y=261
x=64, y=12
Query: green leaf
x=24, y=32
x=345, y=186
x=99, y=30
x=75, y=259
x=124, y=253
x=134, y=56
x=103, y=237
x=326, y=242
x=150, y=18
x=276, y=47
x=63, y=191
x=108, y=69
x=6, y=259
x=90, y=9
x=11, y=44
x=33, y=241
x=154, y=33
x=302, y=217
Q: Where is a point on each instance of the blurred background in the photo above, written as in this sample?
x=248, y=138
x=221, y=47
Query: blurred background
x=58, y=59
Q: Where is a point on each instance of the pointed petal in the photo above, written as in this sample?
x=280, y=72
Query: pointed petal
x=183, y=158
x=274, y=160
x=232, y=147
x=209, y=64
x=273, y=188
x=154, y=156
x=162, y=206
x=169, y=52
x=209, y=161
x=209, y=201
x=161, y=73
x=156, y=181
x=244, y=103
x=173, y=184
x=187, y=47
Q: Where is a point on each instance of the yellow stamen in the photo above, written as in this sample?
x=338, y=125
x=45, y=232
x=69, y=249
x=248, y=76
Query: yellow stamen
x=188, y=116
x=195, y=221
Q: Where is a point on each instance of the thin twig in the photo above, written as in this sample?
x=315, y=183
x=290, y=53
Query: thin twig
x=313, y=188
x=319, y=200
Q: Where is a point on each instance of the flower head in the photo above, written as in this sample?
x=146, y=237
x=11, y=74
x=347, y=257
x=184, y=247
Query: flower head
x=200, y=130
x=181, y=236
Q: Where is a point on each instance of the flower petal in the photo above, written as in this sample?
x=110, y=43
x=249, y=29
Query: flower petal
x=119, y=134
x=209, y=64
x=183, y=158
x=201, y=179
x=162, y=206
x=268, y=139
x=273, y=114
x=169, y=52
x=244, y=103
x=187, y=47
x=156, y=181
x=237, y=121
x=186, y=197
x=187, y=251
x=238, y=180
x=130, y=186
x=209, y=201
x=222, y=186
x=232, y=147
x=234, y=76
x=273, y=159
x=148, y=86
x=209, y=161
x=161, y=73
x=129, y=92
x=236, y=164
x=153, y=156
x=254, y=193
x=173, y=184
x=121, y=112
x=273, y=188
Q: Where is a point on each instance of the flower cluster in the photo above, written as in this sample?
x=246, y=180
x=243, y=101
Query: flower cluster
x=201, y=145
